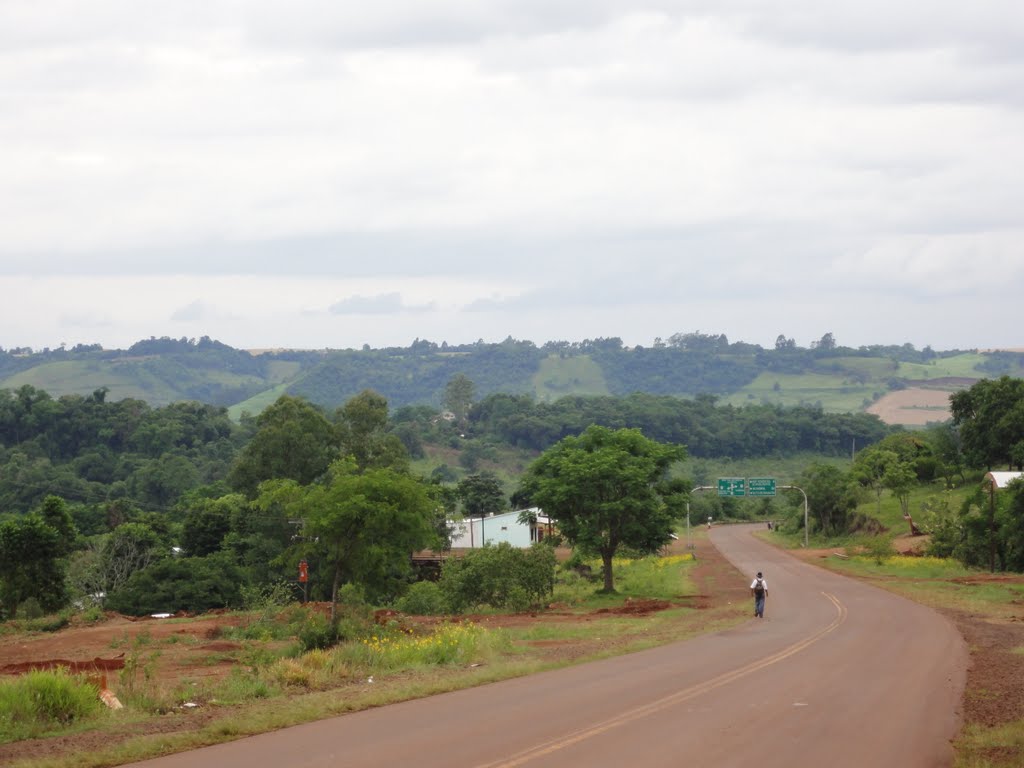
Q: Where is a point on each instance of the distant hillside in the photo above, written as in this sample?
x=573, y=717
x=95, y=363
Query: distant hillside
x=899, y=383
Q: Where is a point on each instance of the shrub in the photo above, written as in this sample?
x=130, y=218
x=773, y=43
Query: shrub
x=317, y=632
x=501, y=576
x=424, y=598
x=194, y=584
x=30, y=609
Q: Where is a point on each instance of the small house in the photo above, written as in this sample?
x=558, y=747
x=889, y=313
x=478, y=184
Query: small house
x=473, y=532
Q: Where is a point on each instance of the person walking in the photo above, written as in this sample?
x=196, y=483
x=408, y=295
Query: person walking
x=759, y=589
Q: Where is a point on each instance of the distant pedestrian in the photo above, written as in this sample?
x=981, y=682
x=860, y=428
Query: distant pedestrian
x=759, y=589
x=709, y=523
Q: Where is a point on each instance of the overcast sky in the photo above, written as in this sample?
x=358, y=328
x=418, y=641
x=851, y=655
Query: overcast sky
x=332, y=174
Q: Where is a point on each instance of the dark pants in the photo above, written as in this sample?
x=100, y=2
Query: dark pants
x=759, y=606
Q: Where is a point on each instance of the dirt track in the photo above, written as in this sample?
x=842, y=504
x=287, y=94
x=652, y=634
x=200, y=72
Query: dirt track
x=838, y=673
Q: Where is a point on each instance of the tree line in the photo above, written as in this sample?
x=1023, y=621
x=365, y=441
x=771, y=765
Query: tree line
x=178, y=506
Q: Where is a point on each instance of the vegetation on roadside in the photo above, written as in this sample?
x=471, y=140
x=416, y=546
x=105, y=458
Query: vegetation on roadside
x=388, y=656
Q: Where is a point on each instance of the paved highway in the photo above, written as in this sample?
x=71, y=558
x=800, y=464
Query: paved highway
x=837, y=674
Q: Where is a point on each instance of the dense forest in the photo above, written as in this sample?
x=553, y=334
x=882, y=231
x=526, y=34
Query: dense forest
x=97, y=451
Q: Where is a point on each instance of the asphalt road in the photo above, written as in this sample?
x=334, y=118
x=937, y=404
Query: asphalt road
x=837, y=674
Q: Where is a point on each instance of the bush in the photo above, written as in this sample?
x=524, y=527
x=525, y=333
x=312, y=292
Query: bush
x=42, y=700
x=424, y=598
x=501, y=577
x=193, y=584
x=878, y=548
x=30, y=609
x=317, y=632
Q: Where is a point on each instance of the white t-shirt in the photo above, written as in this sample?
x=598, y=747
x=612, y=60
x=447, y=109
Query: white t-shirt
x=764, y=584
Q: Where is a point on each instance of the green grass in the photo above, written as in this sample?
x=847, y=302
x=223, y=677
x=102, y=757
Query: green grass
x=652, y=578
x=979, y=747
x=258, y=403
x=83, y=377
x=837, y=393
x=557, y=377
x=846, y=384
x=42, y=701
x=964, y=366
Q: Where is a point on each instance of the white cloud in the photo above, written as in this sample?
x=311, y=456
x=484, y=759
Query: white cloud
x=552, y=166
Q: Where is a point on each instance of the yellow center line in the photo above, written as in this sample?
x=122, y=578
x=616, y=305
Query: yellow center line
x=672, y=699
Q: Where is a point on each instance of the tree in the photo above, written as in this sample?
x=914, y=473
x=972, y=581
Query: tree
x=900, y=479
x=945, y=445
x=367, y=524
x=606, y=489
x=54, y=512
x=990, y=415
x=207, y=522
x=869, y=468
x=194, y=584
x=826, y=343
x=363, y=422
x=830, y=495
x=458, y=396
x=30, y=564
x=109, y=561
x=294, y=441
x=481, y=494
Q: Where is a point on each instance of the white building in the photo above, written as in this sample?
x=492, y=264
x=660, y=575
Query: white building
x=474, y=532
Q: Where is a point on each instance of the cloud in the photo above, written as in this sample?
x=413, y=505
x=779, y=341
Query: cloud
x=192, y=313
x=382, y=304
x=474, y=170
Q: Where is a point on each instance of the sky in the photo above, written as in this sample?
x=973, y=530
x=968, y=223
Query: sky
x=329, y=174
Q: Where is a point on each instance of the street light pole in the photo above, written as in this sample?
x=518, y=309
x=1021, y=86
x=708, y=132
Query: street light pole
x=798, y=488
x=698, y=488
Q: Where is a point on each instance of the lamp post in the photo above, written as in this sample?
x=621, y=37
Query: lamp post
x=798, y=488
x=698, y=488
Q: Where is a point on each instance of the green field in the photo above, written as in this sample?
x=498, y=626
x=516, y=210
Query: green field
x=558, y=377
x=836, y=393
x=256, y=404
x=83, y=377
x=849, y=384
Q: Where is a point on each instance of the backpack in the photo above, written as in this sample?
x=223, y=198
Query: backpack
x=759, y=588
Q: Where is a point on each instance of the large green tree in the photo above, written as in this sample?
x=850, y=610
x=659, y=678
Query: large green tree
x=609, y=488
x=990, y=415
x=458, y=397
x=294, y=441
x=30, y=564
x=366, y=524
x=831, y=496
x=362, y=425
x=870, y=467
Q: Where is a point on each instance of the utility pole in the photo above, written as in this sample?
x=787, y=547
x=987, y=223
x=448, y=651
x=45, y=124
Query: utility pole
x=992, y=524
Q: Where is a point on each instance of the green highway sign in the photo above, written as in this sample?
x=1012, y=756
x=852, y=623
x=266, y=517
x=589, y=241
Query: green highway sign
x=761, y=486
x=732, y=486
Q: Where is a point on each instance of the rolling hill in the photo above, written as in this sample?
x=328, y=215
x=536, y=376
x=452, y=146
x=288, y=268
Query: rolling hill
x=899, y=384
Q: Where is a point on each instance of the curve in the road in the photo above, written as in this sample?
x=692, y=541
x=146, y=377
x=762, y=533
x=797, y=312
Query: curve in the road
x=838, y=673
